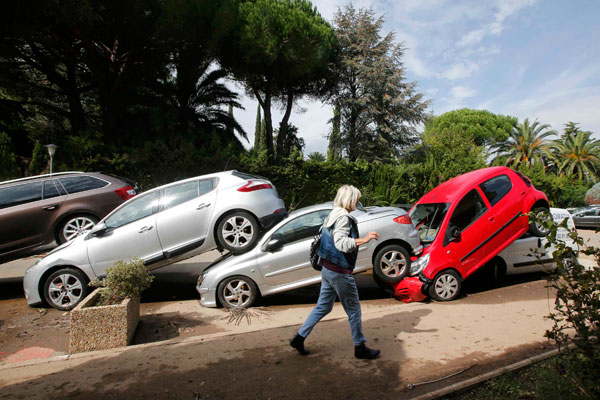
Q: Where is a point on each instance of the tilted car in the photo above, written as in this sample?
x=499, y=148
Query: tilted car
x=160, y=227
x=525, y=255
x=280, y=261
x=587, y=217
x=464, y=223
x=40, y=212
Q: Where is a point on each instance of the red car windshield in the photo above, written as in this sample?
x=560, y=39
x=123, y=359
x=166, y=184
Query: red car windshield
x=428, y=219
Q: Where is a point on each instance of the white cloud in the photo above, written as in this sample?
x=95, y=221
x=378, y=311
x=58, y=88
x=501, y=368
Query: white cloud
x=506, y=8
x=462, y=92
x=460, y=71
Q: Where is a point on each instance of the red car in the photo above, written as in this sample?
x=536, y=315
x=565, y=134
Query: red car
x=465, y=222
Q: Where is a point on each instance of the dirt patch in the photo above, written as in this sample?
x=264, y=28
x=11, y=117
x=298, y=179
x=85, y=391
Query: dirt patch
x=22, y=327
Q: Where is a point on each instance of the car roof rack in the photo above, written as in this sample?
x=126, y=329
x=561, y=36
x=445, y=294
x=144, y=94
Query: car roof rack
x=28, y=178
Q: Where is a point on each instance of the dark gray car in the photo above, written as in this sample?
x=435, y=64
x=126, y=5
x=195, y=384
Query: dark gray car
x=587, y=217
x=39, y=212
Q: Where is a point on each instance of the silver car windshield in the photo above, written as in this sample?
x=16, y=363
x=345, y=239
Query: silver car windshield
x=428, y=219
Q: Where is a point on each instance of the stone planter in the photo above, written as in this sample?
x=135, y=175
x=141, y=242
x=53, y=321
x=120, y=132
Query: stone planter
x=103, y=327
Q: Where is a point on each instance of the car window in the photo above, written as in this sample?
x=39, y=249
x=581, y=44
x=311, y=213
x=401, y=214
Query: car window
x=50, y=190
x=427, y=219
x=20, y=194
x=76, y=184
x=206, y=186
x=175, y=195
x=139, y=208
x=468, y=210
x=303, y=227
x=496, y=188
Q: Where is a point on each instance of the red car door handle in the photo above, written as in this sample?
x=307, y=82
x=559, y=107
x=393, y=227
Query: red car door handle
x=523, y=192
x=491, y=219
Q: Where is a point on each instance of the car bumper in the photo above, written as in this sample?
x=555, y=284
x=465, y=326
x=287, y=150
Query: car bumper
x=409, y=290
x=270, y=220
x=208, y=297
x=30, y=287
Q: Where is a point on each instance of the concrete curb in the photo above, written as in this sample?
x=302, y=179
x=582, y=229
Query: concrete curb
x=484, y=377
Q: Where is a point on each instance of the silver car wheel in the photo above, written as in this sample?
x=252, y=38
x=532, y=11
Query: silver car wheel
x=65, y=290
x=237, y=293
x=76, y=226
x=238, y=232
x=393, y=263
x=446, y=286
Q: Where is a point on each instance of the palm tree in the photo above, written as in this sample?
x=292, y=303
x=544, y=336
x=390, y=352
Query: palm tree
x=316, y=156
x=578, y=155
x=526, y=144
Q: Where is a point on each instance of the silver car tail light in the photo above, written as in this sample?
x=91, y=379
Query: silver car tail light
x=403, y=219
x=252, y=186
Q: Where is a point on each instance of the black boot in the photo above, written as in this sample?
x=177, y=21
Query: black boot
x=363, y=352
x=298, y=343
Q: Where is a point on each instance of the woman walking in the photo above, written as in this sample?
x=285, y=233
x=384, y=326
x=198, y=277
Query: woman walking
x=339, y=248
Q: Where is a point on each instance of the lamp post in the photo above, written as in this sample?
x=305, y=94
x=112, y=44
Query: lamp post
x=51, y=150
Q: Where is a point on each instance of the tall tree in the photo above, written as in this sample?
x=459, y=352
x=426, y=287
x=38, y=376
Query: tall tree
x=527, y=144
x=379, y=109
x=334, y=149
x=257, y=130
x=577, y=154
x=282, y=51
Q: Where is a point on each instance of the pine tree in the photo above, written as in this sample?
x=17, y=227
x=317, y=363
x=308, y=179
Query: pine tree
x=334, y=151
x=380, y=111
x=257, y=130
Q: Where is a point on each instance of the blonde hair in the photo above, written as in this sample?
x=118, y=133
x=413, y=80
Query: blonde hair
x=347, y=197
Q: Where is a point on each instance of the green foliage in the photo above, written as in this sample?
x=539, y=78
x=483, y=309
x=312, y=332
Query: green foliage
x=124, y=279
x=577, y=154
x=8, y=165
x=527, y=144
x=576, y=315
x=282, y=51
x=562, y=191
x=316, y=157
x=481, y=126
x=39, y=159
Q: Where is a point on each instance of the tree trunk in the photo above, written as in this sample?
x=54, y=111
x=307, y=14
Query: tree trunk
x=268, y=121
x=282, y=149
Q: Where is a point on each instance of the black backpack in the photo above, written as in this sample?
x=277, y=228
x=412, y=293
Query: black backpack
x=315, y=260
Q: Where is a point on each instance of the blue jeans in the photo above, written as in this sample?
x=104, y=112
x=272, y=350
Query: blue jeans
x=344, y=286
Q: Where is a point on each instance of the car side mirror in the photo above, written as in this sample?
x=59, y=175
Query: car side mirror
x=271, y=245
x=454, y=233
x=99, y=230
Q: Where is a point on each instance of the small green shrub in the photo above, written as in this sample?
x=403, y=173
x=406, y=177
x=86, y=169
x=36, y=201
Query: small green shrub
x=124, y=279
x=576, y=316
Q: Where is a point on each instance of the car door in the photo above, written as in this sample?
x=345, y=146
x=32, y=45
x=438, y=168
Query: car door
x=527, y=254
x=26, y=215
x=185, y=214
x=289, y=261
x=505, y=207
x=471, y=218
x=131, y=233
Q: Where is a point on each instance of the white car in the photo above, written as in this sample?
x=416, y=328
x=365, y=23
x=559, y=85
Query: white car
x=520, y=257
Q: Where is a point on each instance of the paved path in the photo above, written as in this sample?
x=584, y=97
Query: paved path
x=419, y=341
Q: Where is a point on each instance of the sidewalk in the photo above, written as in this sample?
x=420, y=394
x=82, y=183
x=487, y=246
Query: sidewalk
x=419, y=341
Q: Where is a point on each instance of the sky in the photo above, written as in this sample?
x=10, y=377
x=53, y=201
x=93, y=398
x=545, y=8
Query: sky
x=536, y=59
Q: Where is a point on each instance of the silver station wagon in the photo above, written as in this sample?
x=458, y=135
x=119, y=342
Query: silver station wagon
x=280, y=261
x=226, y=210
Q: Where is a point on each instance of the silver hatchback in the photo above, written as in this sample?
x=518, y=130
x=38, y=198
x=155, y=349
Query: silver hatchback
x=280, y=261
x=226, y=210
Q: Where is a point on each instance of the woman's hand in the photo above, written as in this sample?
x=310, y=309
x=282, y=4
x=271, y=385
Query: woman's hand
x=367, y=239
